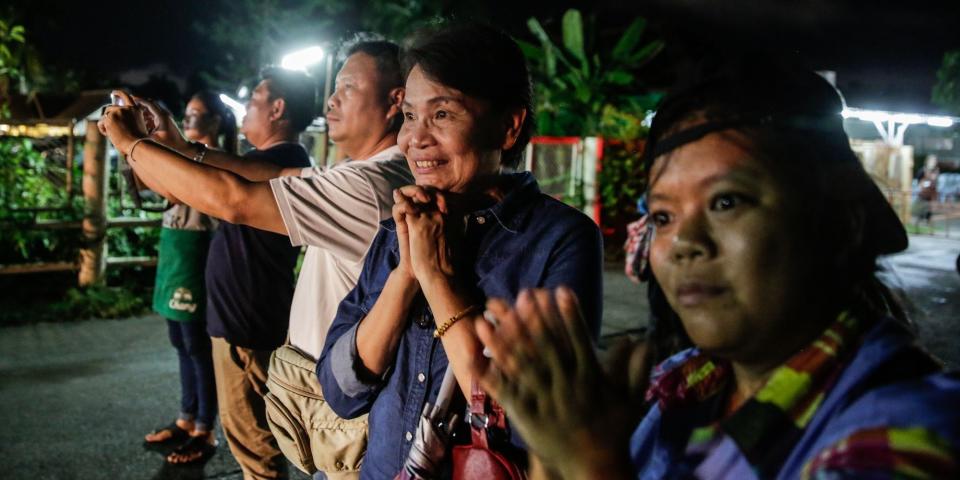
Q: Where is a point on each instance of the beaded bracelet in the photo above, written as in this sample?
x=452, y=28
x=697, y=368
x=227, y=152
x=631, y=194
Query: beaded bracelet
x=454, y=319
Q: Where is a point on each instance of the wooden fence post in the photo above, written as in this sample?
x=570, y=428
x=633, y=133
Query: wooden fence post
x=93, y=255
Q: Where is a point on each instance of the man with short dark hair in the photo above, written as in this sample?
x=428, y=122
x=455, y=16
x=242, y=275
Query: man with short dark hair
x=335, y=211
x=249, y=272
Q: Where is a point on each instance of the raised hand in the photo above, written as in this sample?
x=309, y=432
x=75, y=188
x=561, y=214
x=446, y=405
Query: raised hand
x=161, y=125
x=123, y=125
x=575, y=416
x=429, y=248
x=419, y=214
x=408, y=201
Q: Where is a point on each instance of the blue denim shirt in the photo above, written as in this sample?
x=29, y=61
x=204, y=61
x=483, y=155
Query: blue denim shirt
x=527, y=240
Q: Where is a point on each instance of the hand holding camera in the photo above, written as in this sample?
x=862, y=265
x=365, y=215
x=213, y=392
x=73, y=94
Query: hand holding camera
x=123, y=122
x=161, y=125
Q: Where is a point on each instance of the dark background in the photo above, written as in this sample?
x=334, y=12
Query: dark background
x=885, y=53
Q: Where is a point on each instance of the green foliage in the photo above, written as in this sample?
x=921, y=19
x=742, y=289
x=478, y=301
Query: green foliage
x=12, y=43
x=946, y=92
x=25, y=184
x=100, y=302
x=586, y=88
x=249, y=34
x=396, y=20
x=621, y=180
x=51, y=298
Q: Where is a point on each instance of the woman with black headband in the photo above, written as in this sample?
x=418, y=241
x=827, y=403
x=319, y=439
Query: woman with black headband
x=766, y=235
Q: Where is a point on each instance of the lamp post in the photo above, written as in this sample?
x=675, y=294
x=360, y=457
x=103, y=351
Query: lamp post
x=305, y=60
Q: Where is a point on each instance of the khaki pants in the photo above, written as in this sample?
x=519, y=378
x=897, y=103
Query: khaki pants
x=241, y=379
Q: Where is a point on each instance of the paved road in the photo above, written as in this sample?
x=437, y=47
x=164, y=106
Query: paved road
x=76, y=398
x=927, y=276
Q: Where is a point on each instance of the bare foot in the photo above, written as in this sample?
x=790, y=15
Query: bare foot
x=165, y=434
x=199, y=445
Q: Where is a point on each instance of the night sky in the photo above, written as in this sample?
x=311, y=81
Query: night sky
x=885, y=53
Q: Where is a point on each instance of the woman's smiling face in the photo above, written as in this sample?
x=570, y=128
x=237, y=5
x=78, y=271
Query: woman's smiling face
x=728, y=249
x=446, y=135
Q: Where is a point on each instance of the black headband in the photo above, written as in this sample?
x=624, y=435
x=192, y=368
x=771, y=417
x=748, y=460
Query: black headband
x=821, y=124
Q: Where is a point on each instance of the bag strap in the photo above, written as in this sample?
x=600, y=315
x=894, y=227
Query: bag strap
x=485, y=413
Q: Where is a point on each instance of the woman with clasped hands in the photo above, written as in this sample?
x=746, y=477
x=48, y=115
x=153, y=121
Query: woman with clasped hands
x=468, y=230
x=766, y=235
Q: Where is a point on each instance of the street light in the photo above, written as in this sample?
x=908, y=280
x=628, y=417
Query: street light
x=305, y=60
x=302, y=59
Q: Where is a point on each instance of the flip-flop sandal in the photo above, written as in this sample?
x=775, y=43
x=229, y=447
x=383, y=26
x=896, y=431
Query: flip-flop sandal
x=194, y=445
x=177, y=435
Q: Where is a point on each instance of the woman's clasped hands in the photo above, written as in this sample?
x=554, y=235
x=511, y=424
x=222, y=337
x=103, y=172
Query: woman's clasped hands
x=422, y=220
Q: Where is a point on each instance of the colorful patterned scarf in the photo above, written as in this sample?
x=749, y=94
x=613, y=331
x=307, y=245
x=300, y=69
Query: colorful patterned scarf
x=766, y=426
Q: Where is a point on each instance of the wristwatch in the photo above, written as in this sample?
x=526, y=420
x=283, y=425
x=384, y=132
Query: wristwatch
x=201, y=152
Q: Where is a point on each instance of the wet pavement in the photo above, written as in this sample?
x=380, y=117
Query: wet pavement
x=77, y=398
x=926, y=275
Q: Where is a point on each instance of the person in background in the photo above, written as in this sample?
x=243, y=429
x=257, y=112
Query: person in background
x=249, y=273
x=927, y=196
x=767, y=232
x=180, y=295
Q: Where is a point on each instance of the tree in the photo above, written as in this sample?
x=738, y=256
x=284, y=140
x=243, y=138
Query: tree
x=249, y=34
x=946, y=92
x=585, y=88
x=12, y=43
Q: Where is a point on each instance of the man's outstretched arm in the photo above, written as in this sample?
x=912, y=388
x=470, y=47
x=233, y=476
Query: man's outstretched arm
x=251, y=169
x=214, y=191
x=167, y=133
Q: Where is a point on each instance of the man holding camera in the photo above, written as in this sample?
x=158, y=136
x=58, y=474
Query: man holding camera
x=249, y=273
x=334, y=211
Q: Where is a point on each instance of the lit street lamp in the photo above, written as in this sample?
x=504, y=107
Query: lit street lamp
x=302, y=59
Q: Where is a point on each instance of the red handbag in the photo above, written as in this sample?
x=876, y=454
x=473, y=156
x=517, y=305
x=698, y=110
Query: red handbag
x=478, y=460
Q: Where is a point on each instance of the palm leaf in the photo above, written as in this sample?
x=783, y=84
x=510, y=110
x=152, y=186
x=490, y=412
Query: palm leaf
x=573, y=37
x=629, y=40
x=646, y=53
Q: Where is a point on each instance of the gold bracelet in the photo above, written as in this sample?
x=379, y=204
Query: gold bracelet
x=454, y=319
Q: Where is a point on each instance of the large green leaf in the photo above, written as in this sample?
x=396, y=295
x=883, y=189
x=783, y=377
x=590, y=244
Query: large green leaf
x=619, y=77
x=646, y=53
x=552, y=55
x=573, y=37
x=16, y=33
x=537, y=30
x=629, y=40
x=552, y=52
x=531, y=51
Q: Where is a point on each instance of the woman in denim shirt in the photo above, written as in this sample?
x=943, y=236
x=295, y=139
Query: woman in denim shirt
x=766, y=234
x=467, y=231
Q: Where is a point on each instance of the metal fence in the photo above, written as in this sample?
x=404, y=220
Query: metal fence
x=566, y=168
x=58, y=150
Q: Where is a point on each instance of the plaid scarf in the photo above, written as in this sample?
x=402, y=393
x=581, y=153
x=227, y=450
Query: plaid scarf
x=768, y=425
